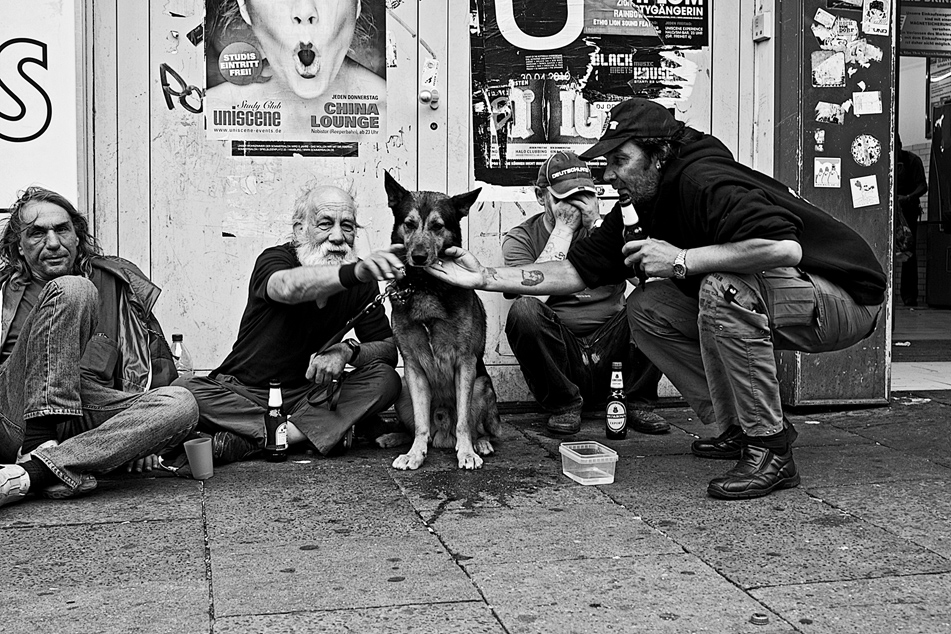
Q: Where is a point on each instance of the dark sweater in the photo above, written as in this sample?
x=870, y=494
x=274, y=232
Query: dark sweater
x=705, y=197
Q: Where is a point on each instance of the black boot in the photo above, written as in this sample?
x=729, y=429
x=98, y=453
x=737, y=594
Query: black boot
x=726, y=446
x=759, y=472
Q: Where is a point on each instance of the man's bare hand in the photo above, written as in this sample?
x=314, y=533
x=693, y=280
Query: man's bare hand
x=459, y=268
x=329, y=364
x=143, y=464
x=654, y=257
x=382, y=265
x=580, y=209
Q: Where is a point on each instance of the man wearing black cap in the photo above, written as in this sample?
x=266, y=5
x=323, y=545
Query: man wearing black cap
x=565, y=344
x=747, y=268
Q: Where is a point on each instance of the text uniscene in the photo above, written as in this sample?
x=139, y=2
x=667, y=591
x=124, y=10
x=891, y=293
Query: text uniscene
x=248, y=118
x=347, y=115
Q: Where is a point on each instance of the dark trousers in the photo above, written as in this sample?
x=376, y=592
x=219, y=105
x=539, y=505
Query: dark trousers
x=224, y=403
x=909, y=268
x=565, y=371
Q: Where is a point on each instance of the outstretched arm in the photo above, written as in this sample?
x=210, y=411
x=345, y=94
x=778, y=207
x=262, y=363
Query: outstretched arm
x=461, y=268
x=308, y=283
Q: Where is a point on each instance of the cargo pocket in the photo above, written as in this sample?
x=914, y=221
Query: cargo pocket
x=790, y=297
x=100, y=359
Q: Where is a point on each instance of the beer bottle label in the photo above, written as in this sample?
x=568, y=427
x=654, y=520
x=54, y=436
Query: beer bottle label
x=280, y=436
x=616, y=414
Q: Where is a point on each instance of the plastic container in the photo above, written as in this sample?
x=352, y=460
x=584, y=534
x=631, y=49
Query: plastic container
x=588, y=462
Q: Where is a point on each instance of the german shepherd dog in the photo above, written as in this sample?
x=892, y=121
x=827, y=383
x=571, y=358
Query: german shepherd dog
x=440, y=331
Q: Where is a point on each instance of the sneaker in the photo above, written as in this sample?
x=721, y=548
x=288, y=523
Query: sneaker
x=228, y=447
x=14, y=483
x=647, y=422
x=61, y=491
x=565, y=423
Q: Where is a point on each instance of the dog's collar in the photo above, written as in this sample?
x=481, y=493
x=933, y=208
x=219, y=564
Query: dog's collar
x=399, y=292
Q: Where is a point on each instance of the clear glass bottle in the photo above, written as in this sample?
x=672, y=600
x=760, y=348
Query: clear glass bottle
x=183, y=360
x=615, y=423
x=275, y=425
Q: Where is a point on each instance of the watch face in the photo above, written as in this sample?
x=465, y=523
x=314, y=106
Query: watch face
x=680, y=271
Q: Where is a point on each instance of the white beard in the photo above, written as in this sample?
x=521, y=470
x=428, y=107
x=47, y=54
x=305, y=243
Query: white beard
x=321, y=254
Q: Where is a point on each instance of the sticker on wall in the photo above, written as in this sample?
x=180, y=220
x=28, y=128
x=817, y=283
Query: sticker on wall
x=864, y=191
x=866, y=150
x=820, y=138
x=828, y=69
x=827, y=172
x=846, y=28
x=830, y=113
x=824, y=18
x=867, y=102
x=875, y=16
x=861, y=53
x=844, y=4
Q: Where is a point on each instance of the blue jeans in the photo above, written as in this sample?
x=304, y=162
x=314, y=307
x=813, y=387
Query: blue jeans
x=227, y=404
x=41, y=377
x=565, y=371
x=718, y=349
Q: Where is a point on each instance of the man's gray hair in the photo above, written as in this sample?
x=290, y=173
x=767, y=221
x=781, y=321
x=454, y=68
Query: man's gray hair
x=303, y=205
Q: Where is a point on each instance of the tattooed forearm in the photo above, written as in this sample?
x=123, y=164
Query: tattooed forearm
x=532, y=278
x=491, y=273
x=551, y=252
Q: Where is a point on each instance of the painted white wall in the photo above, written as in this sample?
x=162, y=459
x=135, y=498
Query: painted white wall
x=911, y=100
x=39, y=65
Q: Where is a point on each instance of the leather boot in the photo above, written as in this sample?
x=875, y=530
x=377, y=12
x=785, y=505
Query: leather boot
x=726, y=446
x=759, y=472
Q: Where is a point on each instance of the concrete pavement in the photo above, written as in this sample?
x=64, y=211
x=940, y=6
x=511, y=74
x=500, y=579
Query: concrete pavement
x=351, y=545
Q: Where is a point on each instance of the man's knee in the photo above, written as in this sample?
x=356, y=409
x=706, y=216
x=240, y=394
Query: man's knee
x=74, y=289
x=178, y=403
x=525, y=314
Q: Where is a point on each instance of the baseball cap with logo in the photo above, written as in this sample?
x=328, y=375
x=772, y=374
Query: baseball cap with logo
x=564, y=174
x=634, y=118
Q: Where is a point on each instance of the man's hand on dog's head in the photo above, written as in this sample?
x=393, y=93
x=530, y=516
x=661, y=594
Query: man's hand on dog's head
x=459, y=268
x=382, y=265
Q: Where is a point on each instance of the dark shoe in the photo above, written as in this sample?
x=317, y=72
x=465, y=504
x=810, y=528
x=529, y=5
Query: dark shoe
x=228, y=447
x=565, y=423
x=729, y=444
x=345, y=443
x=645, y=422
x=759, y=472
x=726, y=446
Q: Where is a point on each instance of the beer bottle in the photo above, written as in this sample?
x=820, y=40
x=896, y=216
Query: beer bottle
x=633, y=230
x=275, y=425
x=616, y=410
x=183, y=360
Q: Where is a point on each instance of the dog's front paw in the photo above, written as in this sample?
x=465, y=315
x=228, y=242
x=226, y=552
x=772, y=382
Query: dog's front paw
x=484, y=447
x=387, y=441
x=469, y=460
x=409, y=461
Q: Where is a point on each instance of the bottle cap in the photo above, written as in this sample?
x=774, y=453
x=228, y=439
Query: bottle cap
x=759, y=619
x=615, y=365
x=176, y=337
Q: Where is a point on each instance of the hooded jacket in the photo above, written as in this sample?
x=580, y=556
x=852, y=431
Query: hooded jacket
x=705, y=197
x=128, y=351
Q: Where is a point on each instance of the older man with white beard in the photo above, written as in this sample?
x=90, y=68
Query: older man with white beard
x=301, y=295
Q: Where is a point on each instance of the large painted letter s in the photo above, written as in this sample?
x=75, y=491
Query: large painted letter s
x=30, y=122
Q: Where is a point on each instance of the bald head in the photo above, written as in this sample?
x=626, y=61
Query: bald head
x=325, y=226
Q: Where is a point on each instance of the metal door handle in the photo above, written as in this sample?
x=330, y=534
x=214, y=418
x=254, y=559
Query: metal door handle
x=430, y=96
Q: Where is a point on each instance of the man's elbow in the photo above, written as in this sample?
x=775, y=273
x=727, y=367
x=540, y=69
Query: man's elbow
x=789, y=253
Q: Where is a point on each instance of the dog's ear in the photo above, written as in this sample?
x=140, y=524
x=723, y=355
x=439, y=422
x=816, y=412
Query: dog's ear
x=462, y=202
x=394, y=191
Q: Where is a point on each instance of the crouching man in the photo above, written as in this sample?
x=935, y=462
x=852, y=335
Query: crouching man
x=80, y=356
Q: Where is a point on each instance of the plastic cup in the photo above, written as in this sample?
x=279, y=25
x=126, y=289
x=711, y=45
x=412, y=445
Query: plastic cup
x=198, y=452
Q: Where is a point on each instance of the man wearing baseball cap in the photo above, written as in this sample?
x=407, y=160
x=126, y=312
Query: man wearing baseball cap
x=747, y=268
x=565, y=343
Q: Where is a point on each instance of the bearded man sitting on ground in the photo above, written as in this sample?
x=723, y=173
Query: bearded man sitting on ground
x=301, y=295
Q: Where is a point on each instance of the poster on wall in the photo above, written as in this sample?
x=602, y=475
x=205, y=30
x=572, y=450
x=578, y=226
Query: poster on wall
x=924, y=28
x=278, y=76
x=546, y=81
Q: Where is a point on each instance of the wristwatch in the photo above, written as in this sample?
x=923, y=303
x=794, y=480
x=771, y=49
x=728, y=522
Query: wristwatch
x=354, y=349
x=680, y=265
